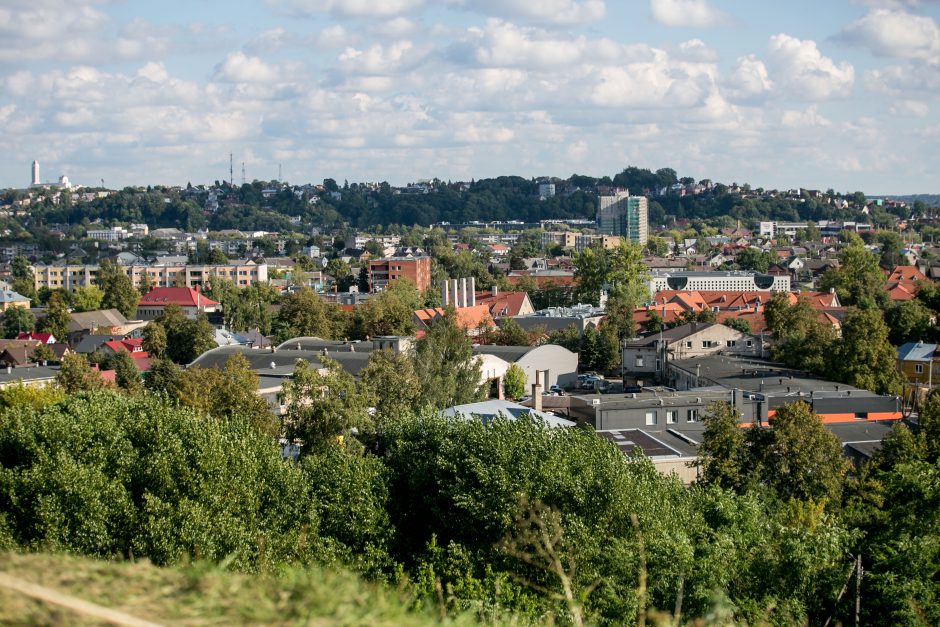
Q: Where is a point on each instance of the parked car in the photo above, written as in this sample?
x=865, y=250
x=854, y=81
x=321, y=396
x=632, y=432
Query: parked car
x=556, y=389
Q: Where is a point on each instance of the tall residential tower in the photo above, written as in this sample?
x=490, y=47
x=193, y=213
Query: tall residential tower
x=623, y=215
x=36, y=180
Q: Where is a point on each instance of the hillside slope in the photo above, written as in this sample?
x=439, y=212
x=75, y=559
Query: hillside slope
x=199, y=594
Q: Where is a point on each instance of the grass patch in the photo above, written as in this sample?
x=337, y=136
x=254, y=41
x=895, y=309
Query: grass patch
x=203, y=594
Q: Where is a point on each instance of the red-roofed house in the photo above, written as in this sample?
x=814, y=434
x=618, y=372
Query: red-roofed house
x=471, y=319
x=904, y=282
x=45, y=338
x=190, y=300
x=506, y=303
x=134, y=346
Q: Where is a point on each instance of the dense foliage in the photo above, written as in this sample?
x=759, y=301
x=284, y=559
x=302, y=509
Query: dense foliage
x=487, y=518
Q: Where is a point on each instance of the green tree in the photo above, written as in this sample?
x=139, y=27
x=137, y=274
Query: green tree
x=118, y=289
x=801, y=339
x=186, y=339
x=226, y=393
x=23, y=280
x=390, y=312
x=738, y=324
x=865, y=358
x=87, y=298
x=514, y=382
x=304, y=313
x=337, y=268
x=569, y=337
x=42, y=354
x=511, y=333
x=217, y=257
x=163, y=377
x=657, y=246
x=589, y=353
x=76, y=375
x=155, y=340
x=754, y=259
x=322, y=405
x=910, y=321
x=16, y=320
x=590, y=273
x=858, y=280
x=392, y=385
x=57, y=319
x=126, y=374
x=723, y=457
x=450, y=371
x=799, y=457
x=115, y=476
x=146, y=284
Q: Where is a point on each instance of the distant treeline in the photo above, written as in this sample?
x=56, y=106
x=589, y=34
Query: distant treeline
x=497, y=199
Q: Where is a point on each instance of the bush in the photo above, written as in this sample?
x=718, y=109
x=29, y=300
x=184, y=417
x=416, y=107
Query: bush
x=108, y=475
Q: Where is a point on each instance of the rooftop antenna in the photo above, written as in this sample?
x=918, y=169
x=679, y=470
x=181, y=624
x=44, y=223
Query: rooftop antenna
x=231, y=170
x=243, y=173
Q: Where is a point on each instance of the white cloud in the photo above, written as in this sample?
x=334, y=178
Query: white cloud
x=801, y=70
x=695, y=13
x=334, y=36
x=154, y=72
x=396, y=28
x=380, y=60
x=502, y=44
x=560, y=12
x=909, y=108
x=894, y=33
x=696, y=50
x=241, y=68
x=749, y=80
x=353, y=8
x=804, y=119
x=898, y=80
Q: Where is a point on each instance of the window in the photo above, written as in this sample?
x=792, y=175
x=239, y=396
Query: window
x=659, y=365
x=732, y=343
x=650, y=418
x=861, y=415
x=639, y=361
x=672, y=417
x=749, y=343
x=688, y=344
x=692, y=415
x=919, y=368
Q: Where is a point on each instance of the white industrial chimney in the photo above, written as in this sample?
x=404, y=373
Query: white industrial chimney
x=36, y=180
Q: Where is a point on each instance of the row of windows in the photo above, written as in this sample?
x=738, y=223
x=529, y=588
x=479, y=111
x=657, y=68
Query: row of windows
x=715, y=343
x=672, y=417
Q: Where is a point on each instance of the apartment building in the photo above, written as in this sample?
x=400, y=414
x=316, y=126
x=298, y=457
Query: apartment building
x=717, y=281
x=241, y=273
x=623, y=215
x=384, y=271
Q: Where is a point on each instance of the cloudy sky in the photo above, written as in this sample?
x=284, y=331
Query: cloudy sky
x=811, y=93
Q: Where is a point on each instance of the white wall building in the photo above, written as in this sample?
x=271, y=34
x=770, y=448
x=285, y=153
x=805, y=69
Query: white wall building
x=717, y=281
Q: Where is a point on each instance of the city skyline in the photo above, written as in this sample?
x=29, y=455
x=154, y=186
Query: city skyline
x=409, y=89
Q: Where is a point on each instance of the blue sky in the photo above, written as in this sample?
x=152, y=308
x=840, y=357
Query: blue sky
x=839, y=94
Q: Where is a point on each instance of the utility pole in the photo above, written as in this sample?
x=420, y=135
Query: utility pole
x=243, y=173
x=858, y=588
x=279, y=173
x=231, y=170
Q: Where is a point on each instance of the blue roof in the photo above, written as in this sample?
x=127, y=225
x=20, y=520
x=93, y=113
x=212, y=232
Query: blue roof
x=916, y=351
x=492, y=409
x=9, y=296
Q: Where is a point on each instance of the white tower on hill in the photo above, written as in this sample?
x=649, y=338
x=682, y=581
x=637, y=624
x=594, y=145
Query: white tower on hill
x=36, y=180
